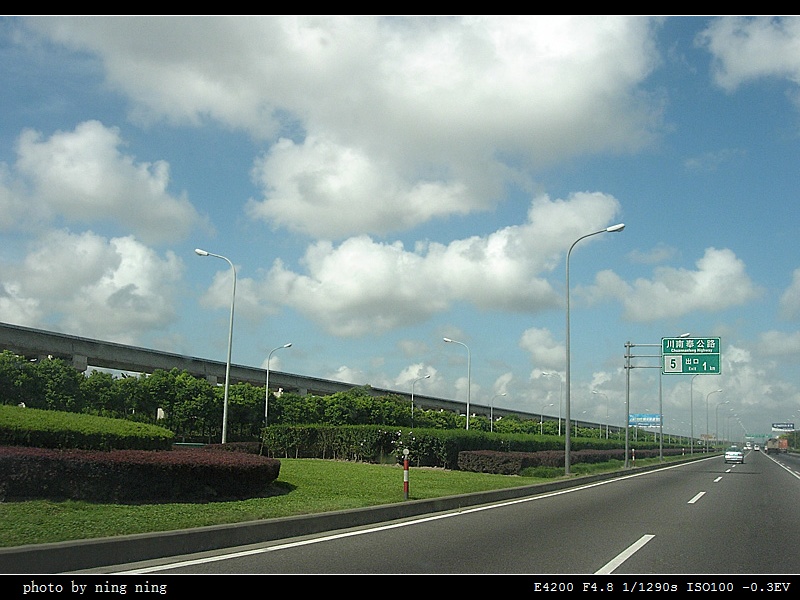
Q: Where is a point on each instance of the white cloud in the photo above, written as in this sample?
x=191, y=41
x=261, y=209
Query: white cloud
x=660, y=253
x=308, y=186
x=779, y=344
x=362, y=286
x=749, y=48
x=711, y=161
x=348, y=375
x=545, y=352
x=394, y=120
x=501, y=386
x=81, y=177
x=107, y=289
x=790, y=299
x=719, y=282
x=413, y=373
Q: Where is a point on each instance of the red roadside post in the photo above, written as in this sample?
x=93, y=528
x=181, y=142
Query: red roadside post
x=405, y=473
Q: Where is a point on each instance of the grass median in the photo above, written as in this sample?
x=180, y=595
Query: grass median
x=305, y=486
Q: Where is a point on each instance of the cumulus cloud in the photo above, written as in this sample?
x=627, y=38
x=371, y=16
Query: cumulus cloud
x=419, y=372
x=104, y=288
x=778, y=343
x=719, y=282
x=790, y=299
x=308, y=185
x=81, y=176
x=545, y=352
x=749, y=48
x=362, y=286
x=393, y=120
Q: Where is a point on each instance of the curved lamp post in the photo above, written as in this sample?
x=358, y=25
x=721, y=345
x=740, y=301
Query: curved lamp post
x=266, y=385
x=449, y=341
x=200, y=252
x=716, y=421
x=412, y=396
x=728, y=435
x=541, y=419
x=560, y=396
x=707, y=428
x=567, y=442
x=691, y=413
x=491, y=411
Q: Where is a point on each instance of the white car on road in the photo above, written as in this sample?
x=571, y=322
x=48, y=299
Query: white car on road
x=734, y=454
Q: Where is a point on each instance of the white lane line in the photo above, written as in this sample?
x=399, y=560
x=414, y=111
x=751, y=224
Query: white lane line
x=611, y=566
x=383, y=527
x=696, y=498
x=718, y=479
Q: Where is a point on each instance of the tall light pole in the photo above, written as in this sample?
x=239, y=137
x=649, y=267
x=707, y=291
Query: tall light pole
x=583, y=412
x=541, y=419
x=727, y=427
x=412, y=395
x=469, y=383
x=560, y=396
x=708, y=432
x=691, y=413
x=266, y=386
x=661, y=400
x=491, y=411
x=606, y=397
x=716, y=421
x=200, y=252
x=612, y=229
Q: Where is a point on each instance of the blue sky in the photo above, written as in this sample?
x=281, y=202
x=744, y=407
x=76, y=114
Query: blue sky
x=381, y=183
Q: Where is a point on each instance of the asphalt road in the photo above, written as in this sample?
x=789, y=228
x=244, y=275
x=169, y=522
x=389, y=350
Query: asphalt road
x=703, y=517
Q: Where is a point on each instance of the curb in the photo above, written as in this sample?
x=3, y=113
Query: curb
x=82, y=555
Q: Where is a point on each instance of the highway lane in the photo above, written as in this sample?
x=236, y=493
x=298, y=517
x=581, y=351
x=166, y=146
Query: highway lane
x=702, y=517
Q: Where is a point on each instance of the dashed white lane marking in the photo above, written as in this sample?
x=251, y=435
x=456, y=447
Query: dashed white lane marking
x=611, y=566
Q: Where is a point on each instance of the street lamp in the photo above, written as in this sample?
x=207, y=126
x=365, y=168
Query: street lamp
x=541, y=419
x=449, y=341
x=612, y=229
x=412, y=395
x=491, y=411
x=707, y=428
x=691, y=413
x=606, y=397
x=727, y=427
x=200, y=252
x=266, y=386
x=583, y=412
x=560, y=396
x=716, y=421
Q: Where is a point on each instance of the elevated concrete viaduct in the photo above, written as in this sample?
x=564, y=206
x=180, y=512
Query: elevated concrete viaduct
x=84, y=353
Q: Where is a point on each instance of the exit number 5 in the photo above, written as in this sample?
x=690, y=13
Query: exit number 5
x=673, y=364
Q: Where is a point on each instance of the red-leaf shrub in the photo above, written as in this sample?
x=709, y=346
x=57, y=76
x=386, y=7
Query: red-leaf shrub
x=134, y=476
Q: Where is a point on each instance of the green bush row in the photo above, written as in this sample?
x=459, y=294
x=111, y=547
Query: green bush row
x=58, y=429
x=515, y=463
x=426, y=447
x=192, y=407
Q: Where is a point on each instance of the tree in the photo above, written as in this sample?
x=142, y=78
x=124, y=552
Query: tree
x=61, y=384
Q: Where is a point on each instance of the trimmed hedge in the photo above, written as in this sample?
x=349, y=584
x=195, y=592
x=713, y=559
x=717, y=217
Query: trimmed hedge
x=513, y=463
x=427, y=447
x=56, y=429
x=134, y=476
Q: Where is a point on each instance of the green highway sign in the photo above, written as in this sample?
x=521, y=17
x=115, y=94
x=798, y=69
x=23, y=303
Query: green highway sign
x=690, y=356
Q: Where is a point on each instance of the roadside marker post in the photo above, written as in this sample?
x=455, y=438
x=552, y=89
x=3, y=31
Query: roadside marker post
x=405, y=473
